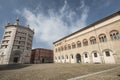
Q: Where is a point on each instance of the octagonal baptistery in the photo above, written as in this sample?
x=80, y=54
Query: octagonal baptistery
x=96, y=43
x=16, y=44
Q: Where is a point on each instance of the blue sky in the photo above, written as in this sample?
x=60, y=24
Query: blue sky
x=54, y=19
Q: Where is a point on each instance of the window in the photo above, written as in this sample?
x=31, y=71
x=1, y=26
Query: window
x=78, y=44
x=56, y=50
x=58, y=57
x=95, y=54
x=92, y=40
x=5, y=41
x=66, y=57
x=73, y=45
x=18, y=47
x=6, y=37
x=114, y=34
x=65, y=47
x=8, y=32
x=69, y=46
x=71, y=56
x=86, y=55
x=4, y=46
x=102, y=38
x=62, y=57
x=85, y=42
x=20, y=38
x=61, y=48
x=19, y=42
x=107, y=53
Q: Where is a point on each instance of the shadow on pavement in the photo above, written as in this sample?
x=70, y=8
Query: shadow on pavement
x=13, y=66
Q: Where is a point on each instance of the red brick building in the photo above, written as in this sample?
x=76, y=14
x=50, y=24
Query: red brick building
x=41, y=55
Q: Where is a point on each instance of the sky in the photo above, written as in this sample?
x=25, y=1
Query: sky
x=54, y=19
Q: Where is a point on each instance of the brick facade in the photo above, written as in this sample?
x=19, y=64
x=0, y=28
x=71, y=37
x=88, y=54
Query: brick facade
x=41, y=56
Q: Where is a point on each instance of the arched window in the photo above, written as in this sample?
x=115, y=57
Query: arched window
x=114, y=34
x=92, y=40
x=72, y=56
x=102, y=38
x=86, y=55
x=107, y=53
x=62, y=57
x=69, y=46
x=78, y=44
x=66, y=57
x=61, y=48
x=59, y=57
x=85, y=42
x=73, y=45
x=95, y=54
x=56, y=50
x=65, y=47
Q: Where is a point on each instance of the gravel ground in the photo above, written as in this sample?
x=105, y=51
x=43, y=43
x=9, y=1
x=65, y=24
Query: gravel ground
x=56, y=71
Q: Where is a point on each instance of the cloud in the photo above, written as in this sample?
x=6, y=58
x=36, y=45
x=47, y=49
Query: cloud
x=55, y=25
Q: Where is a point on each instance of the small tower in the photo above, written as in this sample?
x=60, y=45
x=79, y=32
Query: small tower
x=7, y=24
x=17, y=21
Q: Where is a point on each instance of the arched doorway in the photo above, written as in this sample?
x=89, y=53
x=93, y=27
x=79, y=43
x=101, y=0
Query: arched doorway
x=16, y=56
x=78, y=58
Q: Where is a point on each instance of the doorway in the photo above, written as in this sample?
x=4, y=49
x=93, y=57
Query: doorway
x=43, y=60
x=16, y=59
x=78, y=58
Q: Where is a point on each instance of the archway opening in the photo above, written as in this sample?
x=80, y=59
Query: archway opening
x=16, y=56
x=78, y=58
x=15, y=60
x=108, y=56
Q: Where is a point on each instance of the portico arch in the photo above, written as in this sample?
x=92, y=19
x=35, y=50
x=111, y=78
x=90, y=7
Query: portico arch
x=108, y=56
x=86, y=57
x=96, y=57
x=78, y=58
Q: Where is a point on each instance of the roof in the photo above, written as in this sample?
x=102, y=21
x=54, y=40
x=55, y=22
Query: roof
x=91, y=25
x=42, y=49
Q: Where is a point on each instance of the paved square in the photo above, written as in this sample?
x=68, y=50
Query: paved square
x=57, y=71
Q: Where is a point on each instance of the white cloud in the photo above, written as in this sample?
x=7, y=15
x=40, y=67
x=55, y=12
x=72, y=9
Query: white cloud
x=53, y=27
